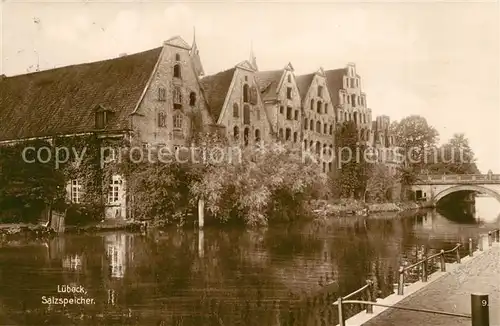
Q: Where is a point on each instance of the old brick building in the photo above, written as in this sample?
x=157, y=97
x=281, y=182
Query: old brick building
x=281, y=98
x=318, y=117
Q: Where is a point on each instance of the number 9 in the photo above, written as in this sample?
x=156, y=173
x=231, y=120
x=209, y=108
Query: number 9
x=484, y=303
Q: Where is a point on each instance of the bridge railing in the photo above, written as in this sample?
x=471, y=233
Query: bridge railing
x=458, y=177
x=369, y=289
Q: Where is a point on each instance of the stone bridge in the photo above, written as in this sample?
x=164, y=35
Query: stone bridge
x=434, y=187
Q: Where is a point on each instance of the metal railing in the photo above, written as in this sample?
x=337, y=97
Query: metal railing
x=479, y=302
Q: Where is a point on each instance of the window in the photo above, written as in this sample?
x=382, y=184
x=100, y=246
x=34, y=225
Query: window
x=257, y=135
x=318, y=147
x=246, y=78
x=258, y=114
x=325, y=128
x=311, y=144
x=192, y=99
x=289, y=78
x=357, y=83
x=348, y=99
x=100, y=120
x=295, y=137
x=282, y=109
x=246, y=114
x=345, y=116
x=306, y=123
x=162, y=94
x=236, y=110
x=177, y=98
x=177, y=57
x=296, y=115
x=245, y=136
x=178, y=121
x=352, y=82
x=320, y=91
x=318, y=107
x=280, y=133
x=312, y=104
x=324, y=167
x=326, y=108
x=236, y=133
x=305, y=144
x=353, y=100
x=246, y=93
x=311, y=125
x=289, y=113
x=114, y=190
x=76, y=188
x=318, y=127
x=331, y=129
x=289, y=93
x=162, y=119
x=177, y=71
x=288, y=134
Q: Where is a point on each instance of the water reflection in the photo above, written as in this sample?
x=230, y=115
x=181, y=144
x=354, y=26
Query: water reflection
x=221, y=277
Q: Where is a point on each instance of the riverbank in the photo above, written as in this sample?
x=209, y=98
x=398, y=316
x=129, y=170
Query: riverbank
x=342, y=207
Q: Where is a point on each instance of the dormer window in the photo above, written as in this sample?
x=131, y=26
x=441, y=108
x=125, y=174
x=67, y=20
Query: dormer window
x=177, y=71
x=102, y=117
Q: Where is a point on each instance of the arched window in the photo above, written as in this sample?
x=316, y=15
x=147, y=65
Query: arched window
x=246, y=134
x=353, y=99
x=295, y=137
x=236, y=133
x=177, y=57
x=325, y=128
x=246, y=114
x=246, y=93
x=236, y=110
x=192, y=99
x=331, y=129
x=178, y=121
x=280, y=134
x=312, y=104
x=326, y=108
x=306, y=123
x=177, y=71
x=311, y=125
x=288, y=133
x=356, y=117
x=305, y=144
x=318, y=127
x=318, y=107
x=257, y=135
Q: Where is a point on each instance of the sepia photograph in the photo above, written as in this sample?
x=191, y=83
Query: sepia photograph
x=250, y=163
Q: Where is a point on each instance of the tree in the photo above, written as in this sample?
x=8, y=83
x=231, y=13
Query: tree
x=380, y=181
x=413, y=135
x=354, y=169
x=454, y=157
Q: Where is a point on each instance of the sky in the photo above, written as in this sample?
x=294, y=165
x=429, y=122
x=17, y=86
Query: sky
x=437, y=59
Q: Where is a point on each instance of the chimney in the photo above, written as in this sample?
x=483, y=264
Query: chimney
x=122, y=55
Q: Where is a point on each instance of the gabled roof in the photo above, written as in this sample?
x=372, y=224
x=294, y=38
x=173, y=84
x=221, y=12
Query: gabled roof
x=63, y=100
x=334, y=82
x=177, y=41
x=215, y=88
x=303, y=83
x=268, y=82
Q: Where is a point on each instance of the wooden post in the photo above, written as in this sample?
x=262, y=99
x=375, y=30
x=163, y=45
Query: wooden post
x=201, y=213
x=458, y=253
x=480, y=243
x=401, y=282
x=201, y=244
x=341, y=314
x=471, y=250
x=369, y=289
x=443, y=261
x=480, y=310
x=424, y=266
x=490, y=239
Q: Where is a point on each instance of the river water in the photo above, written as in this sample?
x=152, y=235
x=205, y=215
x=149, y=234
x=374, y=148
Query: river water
x=221, y=276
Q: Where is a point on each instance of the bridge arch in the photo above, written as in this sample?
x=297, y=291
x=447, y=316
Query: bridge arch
x=475, y=188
